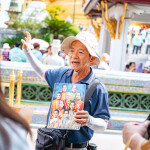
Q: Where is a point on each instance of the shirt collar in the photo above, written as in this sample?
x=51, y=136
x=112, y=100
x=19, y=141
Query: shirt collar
x=87, y=80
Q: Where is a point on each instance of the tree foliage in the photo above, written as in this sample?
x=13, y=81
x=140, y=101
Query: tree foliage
x=59, y=27
x=30, y=25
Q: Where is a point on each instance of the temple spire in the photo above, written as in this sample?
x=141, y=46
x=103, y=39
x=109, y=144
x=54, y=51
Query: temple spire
x=14, y=7
x=13, y=11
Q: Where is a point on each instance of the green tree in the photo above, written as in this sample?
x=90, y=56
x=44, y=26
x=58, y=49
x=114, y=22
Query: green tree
x=30, y=24
x=21, y=26
x=59, y=28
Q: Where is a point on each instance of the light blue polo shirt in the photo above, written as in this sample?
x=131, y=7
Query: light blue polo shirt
x=97, y=106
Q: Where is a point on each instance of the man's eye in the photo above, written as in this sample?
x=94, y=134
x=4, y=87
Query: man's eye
x=71, y=50
x=81, y=52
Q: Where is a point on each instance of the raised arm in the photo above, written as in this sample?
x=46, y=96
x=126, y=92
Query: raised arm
x=35, y=63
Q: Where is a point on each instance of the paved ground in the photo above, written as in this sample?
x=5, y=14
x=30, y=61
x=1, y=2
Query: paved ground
x=109, y=140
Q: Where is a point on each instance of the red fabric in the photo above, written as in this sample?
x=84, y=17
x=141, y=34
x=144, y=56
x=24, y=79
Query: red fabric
x=133, y=1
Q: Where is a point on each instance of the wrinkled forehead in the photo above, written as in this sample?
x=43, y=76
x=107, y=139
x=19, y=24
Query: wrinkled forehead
x=78, y=44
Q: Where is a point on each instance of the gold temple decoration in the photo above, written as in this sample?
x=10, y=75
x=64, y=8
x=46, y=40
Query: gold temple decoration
x=121, y=20
x=11, y=85
x=52, y=0
x=19, y=87
x=11, y=89
x=111, y=23
x=97, y=28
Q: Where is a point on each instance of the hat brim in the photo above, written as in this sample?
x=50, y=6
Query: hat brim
x=66, y=45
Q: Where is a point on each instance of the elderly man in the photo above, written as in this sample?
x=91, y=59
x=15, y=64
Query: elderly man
x=81, y=50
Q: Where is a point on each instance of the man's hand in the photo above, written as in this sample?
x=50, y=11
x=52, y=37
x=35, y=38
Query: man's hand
x=27, y=40
x=81, y=117
x=135, y=128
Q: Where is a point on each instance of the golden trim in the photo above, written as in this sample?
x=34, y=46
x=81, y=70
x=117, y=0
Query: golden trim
x=91, y=78
x=111, y=23
x=121, y=20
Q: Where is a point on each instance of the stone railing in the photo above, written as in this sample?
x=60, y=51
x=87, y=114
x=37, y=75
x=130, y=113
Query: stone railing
x=126, y=90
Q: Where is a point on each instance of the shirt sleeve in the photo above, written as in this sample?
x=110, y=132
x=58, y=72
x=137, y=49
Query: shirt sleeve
x=51, y=76
x=99, y=103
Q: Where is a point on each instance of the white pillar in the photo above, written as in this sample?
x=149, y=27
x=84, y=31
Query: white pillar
x=118, y=48
x=103, y=41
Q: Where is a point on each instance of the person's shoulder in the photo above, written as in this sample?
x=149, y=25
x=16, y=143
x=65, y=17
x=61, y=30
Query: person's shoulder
x=62, y=70
x=65, y=69
x=101, y=87
x=13, y=124
x=12, y=128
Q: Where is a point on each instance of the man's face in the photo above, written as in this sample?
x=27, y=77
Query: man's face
x=68, y=96
x=72, y=105
x=64, y=88
x=58, y=96
x=61, y=105
x=66, y=114
x=55, y=114
x=78, y=96
x=79, y=58
x=74, y=89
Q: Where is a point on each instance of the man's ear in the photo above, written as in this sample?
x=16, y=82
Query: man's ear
x=92, y=58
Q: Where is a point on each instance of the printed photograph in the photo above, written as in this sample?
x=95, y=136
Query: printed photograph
x=66, y=101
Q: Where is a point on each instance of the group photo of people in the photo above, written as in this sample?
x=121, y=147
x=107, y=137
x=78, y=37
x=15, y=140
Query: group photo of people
x=67, y=100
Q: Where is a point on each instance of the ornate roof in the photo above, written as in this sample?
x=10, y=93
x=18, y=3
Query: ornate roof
x=90, y=6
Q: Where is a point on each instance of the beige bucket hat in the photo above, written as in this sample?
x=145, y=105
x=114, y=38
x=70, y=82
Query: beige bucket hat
x=87, y=39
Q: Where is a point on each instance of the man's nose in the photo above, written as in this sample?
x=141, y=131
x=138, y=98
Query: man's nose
x=75, y=54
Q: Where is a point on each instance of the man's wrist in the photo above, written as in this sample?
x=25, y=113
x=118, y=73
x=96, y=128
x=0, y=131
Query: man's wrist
x=137, y=140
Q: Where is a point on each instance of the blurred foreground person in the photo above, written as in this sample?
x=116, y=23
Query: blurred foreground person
x=104, y=63
x=16, y=54
x=13, y=128
x=5, y=52
x=136, y=133
x=81, y=50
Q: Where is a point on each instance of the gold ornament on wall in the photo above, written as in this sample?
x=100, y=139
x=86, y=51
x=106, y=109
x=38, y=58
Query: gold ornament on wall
x=111, y=23
x=121, y=20
x=97, y=28
x=52, y=0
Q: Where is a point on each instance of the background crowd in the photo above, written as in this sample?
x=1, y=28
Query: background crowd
x=138, y=38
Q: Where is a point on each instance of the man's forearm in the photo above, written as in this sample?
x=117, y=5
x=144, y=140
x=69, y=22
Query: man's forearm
x=96, y=124
x=35, y=63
